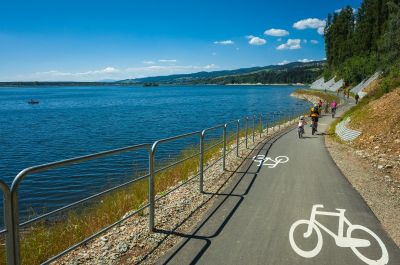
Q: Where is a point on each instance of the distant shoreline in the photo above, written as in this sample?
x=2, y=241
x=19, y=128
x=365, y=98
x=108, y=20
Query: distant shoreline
x=81, y=84
x=261, y=84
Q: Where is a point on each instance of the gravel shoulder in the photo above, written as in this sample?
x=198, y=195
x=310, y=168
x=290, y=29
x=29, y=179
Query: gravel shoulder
x=380, y=190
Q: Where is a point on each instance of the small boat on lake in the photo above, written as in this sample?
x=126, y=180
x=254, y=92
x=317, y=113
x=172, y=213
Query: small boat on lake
x=33, y=101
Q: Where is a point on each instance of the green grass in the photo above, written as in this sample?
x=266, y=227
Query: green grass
x=325, y=96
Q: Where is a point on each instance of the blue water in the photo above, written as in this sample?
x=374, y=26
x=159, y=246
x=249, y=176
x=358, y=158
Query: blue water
x=75, y=121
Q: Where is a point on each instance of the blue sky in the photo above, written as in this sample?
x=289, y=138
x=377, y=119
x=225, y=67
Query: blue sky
x=93, y=40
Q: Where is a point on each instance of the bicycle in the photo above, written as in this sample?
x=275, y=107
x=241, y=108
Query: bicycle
x=341, y=240
x=333, y=112
x=314, y=125
x=300, y=131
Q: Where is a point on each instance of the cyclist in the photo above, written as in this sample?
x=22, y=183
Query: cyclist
x=314, y=114
x=356, y=97
x=333, y=106
x=320, y=104
x=300, y=126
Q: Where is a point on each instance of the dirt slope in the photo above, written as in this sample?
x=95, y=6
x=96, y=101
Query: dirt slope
x=379, y=142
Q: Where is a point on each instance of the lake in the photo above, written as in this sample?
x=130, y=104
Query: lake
x=75, y=121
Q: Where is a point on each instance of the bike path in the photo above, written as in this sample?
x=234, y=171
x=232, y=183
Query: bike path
x=251, y=220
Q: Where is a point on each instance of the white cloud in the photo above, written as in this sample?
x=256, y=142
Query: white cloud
x=311, y=23
x=224, y=42
x=284, y=62
x=167, y=60
x=107, y=70
x=305, y=60
x=291, y=44
x=148, y=62
x=167, y=69
x=276, y=32
x=253, y=40
x=314, y=41
x=114, y=73
x=56, y=75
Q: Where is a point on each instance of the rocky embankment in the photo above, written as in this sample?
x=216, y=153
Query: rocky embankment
x=380, y=141
x=308, y=97
x=315, y=96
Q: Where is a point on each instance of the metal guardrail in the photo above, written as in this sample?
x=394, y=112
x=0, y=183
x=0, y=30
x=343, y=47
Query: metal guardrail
x=11, y=200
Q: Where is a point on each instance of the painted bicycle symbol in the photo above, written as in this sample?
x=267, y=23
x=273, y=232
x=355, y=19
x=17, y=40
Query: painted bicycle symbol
x=267, y=161
x=341, y=240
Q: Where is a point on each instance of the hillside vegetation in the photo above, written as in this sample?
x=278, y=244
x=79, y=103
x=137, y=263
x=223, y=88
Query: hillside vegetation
x=296, y=72
x=360, y=42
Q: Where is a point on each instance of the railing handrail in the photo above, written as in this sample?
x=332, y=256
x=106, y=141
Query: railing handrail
x=44, y=167
x=173, y=138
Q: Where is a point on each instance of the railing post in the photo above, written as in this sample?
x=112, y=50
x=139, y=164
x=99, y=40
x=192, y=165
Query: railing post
x=273, y=122
x=254, y=126
x=237, y=137
x=201, y=165
x=10, y=238
x=261, y=125
x=8, y=223
x=151, y=187
x=247, y=128
x=279, y=123
x=294, y=117
x=224, y=148
x=15, y=226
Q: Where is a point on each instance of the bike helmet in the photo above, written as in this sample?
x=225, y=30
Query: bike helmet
x=301, y=117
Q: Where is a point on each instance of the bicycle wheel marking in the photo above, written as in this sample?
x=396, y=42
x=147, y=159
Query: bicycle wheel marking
x=263, y=160
x=341, y=239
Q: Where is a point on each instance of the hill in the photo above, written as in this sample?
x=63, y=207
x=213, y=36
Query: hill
x=296, y=72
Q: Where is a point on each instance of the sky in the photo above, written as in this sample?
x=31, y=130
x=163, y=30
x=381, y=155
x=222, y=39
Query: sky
x=99, y=40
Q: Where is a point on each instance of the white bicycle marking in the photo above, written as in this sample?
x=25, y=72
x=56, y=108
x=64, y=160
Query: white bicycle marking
x=341, y=240
x=271, y=163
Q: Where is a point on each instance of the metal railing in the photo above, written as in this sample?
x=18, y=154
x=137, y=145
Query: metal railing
x=11, y=199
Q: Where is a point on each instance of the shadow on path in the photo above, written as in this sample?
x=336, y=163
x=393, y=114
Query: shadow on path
x=222, y=201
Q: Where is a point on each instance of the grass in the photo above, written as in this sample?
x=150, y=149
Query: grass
x=44, y=239
x=326, y=97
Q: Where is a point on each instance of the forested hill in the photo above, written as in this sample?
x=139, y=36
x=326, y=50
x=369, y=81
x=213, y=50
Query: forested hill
x=360, y=42
x=296, y=72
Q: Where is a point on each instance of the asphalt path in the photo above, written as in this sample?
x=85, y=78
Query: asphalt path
x=263, y=215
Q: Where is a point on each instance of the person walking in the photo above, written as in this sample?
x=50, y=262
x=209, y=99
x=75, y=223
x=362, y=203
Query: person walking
x=357, y=97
